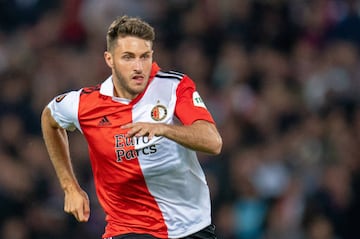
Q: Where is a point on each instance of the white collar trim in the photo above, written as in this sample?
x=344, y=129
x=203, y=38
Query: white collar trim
x=107, y=88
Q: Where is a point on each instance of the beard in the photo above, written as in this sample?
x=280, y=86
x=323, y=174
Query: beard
x=125, y=84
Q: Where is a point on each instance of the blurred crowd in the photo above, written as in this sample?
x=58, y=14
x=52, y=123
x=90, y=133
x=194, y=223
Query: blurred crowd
x=281, y=78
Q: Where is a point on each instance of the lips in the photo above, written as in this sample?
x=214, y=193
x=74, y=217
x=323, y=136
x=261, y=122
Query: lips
x=138, y=78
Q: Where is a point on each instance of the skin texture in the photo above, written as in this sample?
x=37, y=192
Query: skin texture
x=130, y=62
x=76, y=200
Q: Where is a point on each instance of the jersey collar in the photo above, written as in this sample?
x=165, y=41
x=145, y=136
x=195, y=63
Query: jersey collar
x=107, y=87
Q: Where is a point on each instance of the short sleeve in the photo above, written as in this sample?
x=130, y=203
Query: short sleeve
x=189, y=105
x=64, y=109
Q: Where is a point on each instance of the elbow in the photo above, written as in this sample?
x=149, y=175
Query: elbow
x=217, y=146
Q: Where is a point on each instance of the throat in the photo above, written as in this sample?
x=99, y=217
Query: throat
x=123, y=94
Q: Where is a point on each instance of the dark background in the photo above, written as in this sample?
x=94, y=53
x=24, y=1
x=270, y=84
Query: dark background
x=281, y=79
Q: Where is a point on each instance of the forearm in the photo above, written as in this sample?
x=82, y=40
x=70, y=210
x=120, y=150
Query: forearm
x=200, y=136
x=56, y=142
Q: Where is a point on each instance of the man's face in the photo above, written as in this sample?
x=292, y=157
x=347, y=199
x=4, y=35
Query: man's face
x=130, y=61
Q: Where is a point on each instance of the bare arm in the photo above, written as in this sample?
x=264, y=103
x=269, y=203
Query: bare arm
x=200, y=136
x=56, y=141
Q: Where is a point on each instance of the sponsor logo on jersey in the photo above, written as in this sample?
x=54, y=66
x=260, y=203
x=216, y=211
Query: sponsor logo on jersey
x=125, y=150
x=197, y=100
x=158, y=113
x=60, y=98
x=104, y=122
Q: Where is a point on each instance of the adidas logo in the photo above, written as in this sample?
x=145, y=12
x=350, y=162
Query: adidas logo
x=104, y=122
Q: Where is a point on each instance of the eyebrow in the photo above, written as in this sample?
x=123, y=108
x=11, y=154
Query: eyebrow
x=132, y=53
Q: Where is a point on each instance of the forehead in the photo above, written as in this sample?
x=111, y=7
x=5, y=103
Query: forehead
x=133, y=45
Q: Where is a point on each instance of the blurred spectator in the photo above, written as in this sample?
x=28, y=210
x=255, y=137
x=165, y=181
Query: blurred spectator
x=319, y=227
x=282, y=79
x=21, y=13
x=15, y=228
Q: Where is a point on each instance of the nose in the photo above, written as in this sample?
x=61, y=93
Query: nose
x=138, y=65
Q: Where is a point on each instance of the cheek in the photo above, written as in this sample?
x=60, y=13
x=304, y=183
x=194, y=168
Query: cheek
x=122, y=66
x=148, y=66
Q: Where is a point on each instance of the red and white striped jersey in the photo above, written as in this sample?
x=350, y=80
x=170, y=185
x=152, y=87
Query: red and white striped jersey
x=144, y=186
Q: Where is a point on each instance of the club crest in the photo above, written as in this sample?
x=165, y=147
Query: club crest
x=158, y=113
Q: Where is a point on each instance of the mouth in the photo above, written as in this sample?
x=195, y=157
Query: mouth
x=138, y=79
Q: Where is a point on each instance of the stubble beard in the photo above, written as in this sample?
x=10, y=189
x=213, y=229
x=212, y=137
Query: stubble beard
x=125, y=86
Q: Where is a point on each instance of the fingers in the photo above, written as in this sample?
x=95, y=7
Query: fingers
x=86, y=212
x=137, y=132
x=132, y=129
x=82, y=215
x=142, y=129
x=78, y=206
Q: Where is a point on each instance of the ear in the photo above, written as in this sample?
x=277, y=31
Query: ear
x=109, y=59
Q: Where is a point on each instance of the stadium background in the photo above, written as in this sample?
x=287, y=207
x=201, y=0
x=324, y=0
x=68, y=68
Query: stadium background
x=280, y=77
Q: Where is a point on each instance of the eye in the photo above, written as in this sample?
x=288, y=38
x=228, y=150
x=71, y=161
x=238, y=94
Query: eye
x=145, y=57
x=127, y=57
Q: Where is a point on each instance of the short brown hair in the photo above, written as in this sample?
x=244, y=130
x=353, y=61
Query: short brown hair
x=128, y=26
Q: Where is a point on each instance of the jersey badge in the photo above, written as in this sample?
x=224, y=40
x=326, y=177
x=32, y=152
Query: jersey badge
x=60, y=98
x=197, y=100
x=158, y=112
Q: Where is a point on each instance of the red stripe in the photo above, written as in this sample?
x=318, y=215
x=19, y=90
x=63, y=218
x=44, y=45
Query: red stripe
x=119, y=181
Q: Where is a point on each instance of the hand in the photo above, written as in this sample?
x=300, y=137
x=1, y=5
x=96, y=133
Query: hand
x=77, y=203
x=139, y=129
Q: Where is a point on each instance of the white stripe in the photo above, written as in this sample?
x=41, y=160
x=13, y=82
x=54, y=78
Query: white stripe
x=173, y=174
x=160, y=73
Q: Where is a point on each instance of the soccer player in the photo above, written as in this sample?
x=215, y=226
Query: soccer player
x=147, y=176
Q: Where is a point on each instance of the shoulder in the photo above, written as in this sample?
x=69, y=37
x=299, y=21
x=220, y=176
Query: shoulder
x=64, y=108
x=170, y=75
x=90, y=89
x=178, y=78
x=67, y=97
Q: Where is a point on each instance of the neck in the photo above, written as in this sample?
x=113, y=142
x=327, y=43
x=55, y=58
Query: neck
x=120, y=93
